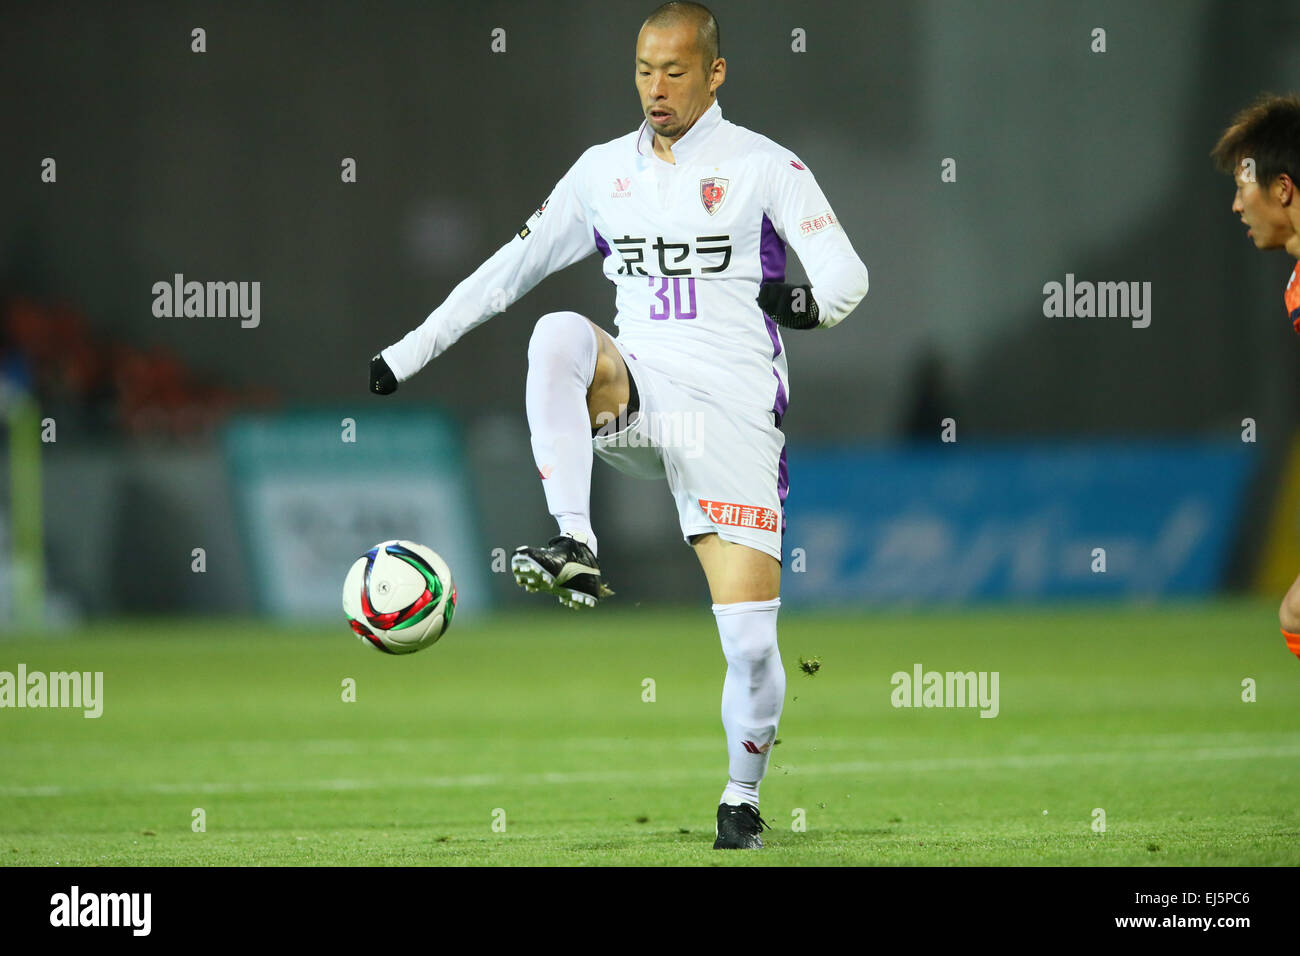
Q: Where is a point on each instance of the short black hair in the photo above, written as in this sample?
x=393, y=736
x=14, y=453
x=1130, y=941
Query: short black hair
x=696, y=14
x=1267, y=131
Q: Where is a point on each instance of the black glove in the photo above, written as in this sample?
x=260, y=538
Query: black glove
x=780, y=299
x=382, y=379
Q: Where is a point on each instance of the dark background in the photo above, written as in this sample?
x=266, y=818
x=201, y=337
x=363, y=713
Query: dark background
x=225, y=166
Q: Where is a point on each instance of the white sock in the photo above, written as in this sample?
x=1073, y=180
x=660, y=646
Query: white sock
x=561, y=364
x=738, y=791
x=752, y=694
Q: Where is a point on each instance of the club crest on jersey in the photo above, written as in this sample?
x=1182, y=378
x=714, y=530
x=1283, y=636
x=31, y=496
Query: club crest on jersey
x=712, y=191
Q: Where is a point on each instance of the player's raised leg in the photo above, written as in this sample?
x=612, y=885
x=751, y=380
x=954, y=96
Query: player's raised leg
x=745, y=583
x=576, y=381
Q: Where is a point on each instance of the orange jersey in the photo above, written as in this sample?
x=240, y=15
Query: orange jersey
x=1292, y=297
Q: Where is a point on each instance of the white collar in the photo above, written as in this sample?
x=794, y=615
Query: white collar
x=690, y=142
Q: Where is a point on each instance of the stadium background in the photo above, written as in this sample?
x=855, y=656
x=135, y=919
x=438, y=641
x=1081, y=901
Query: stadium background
x=226, y=166
x=1072, y=434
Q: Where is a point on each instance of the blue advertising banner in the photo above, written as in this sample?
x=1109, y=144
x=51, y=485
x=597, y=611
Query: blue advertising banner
x=949, y=524
x=315, y=489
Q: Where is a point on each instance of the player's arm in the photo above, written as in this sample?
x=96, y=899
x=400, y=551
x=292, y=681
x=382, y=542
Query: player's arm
x=555, y=236
x=837, y=277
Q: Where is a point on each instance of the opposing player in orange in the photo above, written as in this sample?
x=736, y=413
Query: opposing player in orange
x=1261, y=150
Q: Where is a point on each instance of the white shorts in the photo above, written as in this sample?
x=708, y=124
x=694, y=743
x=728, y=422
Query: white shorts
x=725, y=464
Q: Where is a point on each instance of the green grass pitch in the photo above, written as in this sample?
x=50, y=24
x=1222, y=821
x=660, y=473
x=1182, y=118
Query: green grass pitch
x=538, y=721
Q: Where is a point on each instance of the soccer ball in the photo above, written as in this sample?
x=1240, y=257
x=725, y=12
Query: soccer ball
x=399, y=597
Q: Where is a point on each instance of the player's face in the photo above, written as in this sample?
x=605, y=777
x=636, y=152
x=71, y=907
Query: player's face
x=675, y=88
x=1261, y=209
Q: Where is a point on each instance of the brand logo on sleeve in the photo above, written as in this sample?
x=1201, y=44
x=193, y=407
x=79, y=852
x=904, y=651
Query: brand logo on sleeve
x=712, y=191
x=523, y=233
x=823, y=220
x=797, y=165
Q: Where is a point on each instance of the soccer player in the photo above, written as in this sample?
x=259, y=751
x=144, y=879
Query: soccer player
x=691, y=215
x=1261, y=150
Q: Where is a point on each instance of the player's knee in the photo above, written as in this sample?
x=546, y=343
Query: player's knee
x=755, y=647
x=753, y=643
x=557, y=333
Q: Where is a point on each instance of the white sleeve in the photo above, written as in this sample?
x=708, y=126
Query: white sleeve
x=557, y=235
x=804, y=219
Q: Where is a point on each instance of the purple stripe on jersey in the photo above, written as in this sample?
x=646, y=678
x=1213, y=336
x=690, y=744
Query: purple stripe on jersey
x=782, y=485
x=771, y=254
x=771, y=332
x=601, y=245
x=782, y=401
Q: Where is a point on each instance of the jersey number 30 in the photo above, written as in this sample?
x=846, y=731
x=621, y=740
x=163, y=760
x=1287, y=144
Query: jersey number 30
x=665, y=309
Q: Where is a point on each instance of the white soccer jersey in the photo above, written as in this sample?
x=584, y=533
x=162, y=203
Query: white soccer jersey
x=686, y=245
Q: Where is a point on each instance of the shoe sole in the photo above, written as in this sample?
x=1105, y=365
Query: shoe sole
x=534, y=578
x=756, y=845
